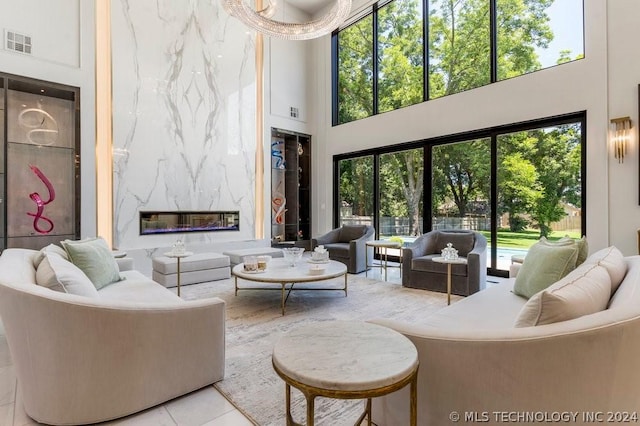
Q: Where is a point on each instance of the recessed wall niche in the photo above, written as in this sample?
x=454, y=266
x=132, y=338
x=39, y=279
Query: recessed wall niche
x=40, y=167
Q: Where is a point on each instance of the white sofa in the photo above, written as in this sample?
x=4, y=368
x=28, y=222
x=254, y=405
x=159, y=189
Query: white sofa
x=474, y=362
x=82, y=360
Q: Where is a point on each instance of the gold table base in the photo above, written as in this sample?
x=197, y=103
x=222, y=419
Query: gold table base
x=288, y=287
x=310, y=393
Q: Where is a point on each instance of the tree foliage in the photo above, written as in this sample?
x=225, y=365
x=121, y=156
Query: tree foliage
x=401, y=186
x=537, y=170
x=356, y=185
x=461, y=173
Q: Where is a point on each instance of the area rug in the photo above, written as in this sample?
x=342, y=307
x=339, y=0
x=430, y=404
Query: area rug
x=255, y=323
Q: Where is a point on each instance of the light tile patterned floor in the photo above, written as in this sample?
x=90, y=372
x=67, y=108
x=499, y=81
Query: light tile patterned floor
x=206, y=407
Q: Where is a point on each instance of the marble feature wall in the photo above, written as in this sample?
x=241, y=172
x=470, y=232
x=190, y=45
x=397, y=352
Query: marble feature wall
x=184, y=128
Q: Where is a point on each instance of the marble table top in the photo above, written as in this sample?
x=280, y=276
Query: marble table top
x=458, y=261
x=279, y=271
x=345, y=355
x=384, y=243
x=178, y=255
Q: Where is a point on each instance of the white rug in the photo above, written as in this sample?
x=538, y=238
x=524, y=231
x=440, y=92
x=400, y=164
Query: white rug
x=255, y=323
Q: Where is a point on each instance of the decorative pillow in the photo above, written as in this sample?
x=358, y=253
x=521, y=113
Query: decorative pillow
x=584, y=291
x=51, y=248
x=543, y=266
x=613, y=261
x=58, y=274
x=94, y=258
x=583, y=246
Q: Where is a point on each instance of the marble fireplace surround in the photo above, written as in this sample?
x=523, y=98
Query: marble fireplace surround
x=184, y=123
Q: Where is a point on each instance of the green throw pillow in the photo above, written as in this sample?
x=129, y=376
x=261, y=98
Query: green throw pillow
x=95, y=259
x=544, y=265
x=583, y=246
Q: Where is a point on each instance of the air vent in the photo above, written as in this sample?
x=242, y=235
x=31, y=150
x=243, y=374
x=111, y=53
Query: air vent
x=17, y=42
x=293, y=112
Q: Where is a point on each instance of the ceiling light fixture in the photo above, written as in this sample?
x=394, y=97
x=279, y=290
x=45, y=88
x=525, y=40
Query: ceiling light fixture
x=261, y=22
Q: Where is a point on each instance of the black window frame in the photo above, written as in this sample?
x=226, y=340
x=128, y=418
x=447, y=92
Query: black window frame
x=491, y=133
x=373, y=9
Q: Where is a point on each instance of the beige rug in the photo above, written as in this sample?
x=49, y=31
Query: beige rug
x=255, y=323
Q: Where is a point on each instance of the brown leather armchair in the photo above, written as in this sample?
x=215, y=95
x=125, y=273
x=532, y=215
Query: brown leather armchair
x=347, y=244
x=419, y=271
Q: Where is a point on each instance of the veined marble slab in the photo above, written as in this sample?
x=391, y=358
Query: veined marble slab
x=345, y=355
x=184, y=104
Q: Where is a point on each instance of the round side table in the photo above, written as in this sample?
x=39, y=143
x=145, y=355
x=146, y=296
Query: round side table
x=382, y=245
x=178, y=256
x=346, y=360
x=449, y=262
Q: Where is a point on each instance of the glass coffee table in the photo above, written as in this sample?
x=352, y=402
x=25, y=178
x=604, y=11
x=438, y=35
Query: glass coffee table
x=280, y=272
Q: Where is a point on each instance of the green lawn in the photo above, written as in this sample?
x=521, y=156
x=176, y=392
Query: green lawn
x=526, y=239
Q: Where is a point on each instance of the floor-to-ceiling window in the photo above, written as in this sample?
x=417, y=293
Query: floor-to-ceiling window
x=513, y=183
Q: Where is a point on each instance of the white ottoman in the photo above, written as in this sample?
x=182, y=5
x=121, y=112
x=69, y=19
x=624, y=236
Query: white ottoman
x=237, y=256
x=200, y=267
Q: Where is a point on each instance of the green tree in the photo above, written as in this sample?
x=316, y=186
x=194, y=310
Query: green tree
x=401, y=187
x=400, y=58
x=461, y=173
x=519, y=189
x=554, y=154
x=355, y=71
x=522, y=26
x=559, y=173
x=459, y=46
x=356, y=185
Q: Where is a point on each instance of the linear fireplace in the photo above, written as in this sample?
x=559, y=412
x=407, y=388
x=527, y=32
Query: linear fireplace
x=172, y=222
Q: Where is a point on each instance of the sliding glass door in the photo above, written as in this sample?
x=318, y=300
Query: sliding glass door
x=539, y=188
x=513, y=183
x=356, y=191
x=461, y=185
x=401, y=177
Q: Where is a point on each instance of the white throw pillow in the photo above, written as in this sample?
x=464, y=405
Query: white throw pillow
x=51, y=248
x=585, y=290
x=613, y=261
x=61, y=275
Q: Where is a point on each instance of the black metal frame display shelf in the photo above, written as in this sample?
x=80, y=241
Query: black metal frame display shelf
x=290, y=188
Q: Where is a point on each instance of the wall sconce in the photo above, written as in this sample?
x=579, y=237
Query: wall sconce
x=620, y=136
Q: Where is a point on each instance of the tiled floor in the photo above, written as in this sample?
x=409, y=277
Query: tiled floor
x=204, y=407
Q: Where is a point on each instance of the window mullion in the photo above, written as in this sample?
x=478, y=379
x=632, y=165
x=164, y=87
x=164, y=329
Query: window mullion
x=493, y=28
x=425, y=50
x=374, y=29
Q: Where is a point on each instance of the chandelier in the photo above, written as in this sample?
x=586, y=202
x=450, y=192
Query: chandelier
x=261, y=22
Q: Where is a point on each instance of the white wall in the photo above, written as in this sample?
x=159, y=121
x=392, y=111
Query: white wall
x=577, y=86
x=624, y=77
x=289, y=81
x=63, y=38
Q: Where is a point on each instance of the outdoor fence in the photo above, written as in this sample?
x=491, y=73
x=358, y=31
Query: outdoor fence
x=390, y=226
x=568, y=223
x=402, y=225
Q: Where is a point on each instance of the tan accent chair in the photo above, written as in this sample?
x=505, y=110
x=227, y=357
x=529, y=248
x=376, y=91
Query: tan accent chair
x=419, y=270
x=347, y=244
